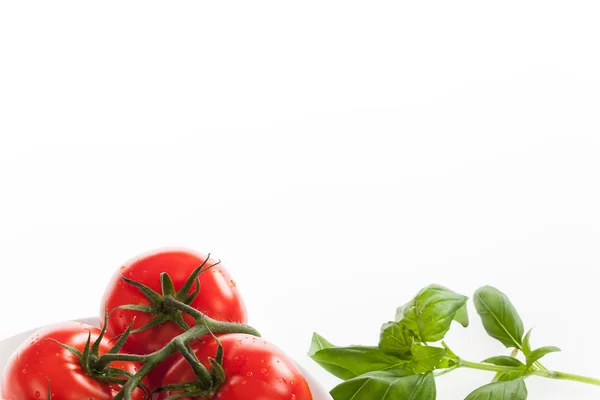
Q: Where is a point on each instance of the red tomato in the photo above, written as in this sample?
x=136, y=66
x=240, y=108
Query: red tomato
x=254, y=369
x=219, y=297
x=39, y=362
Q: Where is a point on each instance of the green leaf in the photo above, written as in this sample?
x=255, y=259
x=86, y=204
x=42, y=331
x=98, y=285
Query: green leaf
x=450, y=358
x=426, y=358
x=406, y=316
x=510, y=390
x=395, y=339
x=388, y=386
x=318, y=343
x=505, y=361
x=350, y=362
x=500, y=318
x=430, y=314
x=445, y=363
x=449, y=352
x=509, y=376
x=527, y=343
x=539, y=353
x=462, y=316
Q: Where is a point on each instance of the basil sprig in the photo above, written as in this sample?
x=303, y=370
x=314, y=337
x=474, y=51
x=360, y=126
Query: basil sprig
x=411, y=352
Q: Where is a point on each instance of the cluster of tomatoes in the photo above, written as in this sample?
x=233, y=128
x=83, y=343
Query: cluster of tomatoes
x=65, y=361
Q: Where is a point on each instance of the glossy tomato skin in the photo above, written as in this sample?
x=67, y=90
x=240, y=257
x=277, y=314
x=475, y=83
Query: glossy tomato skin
x=219, y=298
x=255, y=370
x=39, y=361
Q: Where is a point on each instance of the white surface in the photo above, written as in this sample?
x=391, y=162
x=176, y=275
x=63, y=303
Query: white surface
x=8, y=346
x=336, y=155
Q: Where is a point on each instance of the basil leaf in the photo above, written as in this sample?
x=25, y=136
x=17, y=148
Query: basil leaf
x=430, y=314
x=395, y=339
x=539, y=353
x=527, y=343
x=505, y=361
x=318, y=343
x=500, y=318
x=406, y=315
x=426, y=358
x=386, y=385
x=449, y=352
x=445, y=363
x=350, y=362
x=462, y=316
x=509, y=376
x=510, y=390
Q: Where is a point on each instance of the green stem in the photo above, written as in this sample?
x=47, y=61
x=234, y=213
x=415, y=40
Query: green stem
x=485, y=367
x=107, y=358
x=204, y=325
x=544, y=374
x=446, y=371
x=171, y=302
x=567, y=377
x=540, y=366
x=199, y=370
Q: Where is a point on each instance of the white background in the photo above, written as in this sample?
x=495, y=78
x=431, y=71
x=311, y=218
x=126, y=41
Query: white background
x=337, y=156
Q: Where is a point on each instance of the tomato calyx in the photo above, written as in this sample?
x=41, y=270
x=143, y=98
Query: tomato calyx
x=198, y=387
x=157, y=306
x=201, y=387
x=208, y=381
x=98, y=366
